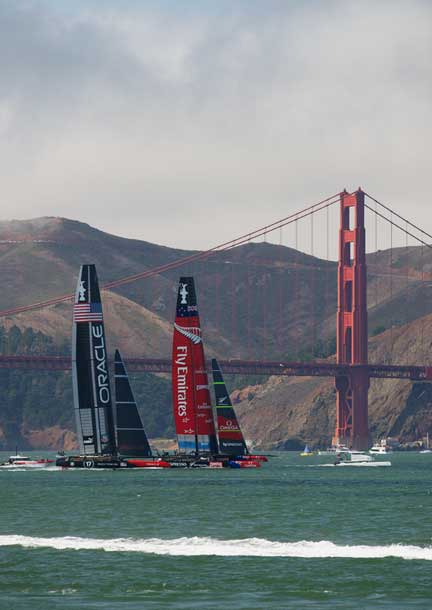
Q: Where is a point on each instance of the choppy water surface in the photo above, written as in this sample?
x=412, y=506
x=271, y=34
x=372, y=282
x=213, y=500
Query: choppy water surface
x=289, y=535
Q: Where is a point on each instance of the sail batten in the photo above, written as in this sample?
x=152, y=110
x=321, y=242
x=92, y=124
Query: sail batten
x=91, y=387
x=131, y=437
x=231, y=440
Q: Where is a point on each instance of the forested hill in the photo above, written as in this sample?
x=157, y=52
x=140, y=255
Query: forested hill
x=37, y=409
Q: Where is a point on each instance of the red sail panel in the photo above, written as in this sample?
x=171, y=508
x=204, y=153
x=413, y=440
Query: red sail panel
x=193, y=413
x=206, y=429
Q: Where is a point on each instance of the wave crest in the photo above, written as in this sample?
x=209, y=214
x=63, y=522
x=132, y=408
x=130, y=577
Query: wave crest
x=248, y=547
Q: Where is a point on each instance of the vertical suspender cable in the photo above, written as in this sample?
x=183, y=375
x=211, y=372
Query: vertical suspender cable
x=312, y=233
x=218, y=296
x=233, y=309
x=376, y=257
x=313, y=286
x=406, y=274
x=327, y=270
x=391, y=287
x=296, y=300
x=264, y=352
x=248, y=299
x=422, y=311
x=280, y=275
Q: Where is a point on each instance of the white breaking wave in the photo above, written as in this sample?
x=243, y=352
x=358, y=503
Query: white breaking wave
x=248, y=547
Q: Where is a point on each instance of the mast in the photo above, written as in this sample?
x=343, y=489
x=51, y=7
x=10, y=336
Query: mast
x=231, y=438
x=131, y=437
x=90, y=376
x=193, y=413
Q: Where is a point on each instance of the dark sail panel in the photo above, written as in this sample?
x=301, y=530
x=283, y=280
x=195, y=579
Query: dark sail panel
x=231, y=439
x=193, y=413
x=91, y=387
x=131, y=437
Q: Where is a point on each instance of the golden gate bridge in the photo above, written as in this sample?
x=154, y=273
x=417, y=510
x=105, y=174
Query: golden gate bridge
x=351, y=370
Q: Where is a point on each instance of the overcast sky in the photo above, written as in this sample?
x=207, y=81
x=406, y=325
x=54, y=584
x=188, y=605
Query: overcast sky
x=188, y=122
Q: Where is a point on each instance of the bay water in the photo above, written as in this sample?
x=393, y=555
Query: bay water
x=296, y=533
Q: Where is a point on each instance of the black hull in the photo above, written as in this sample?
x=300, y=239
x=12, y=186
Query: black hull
x=89, y=462
x=109, y=462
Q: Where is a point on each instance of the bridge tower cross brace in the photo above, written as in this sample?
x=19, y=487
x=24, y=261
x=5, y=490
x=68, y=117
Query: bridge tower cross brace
x=352, y=326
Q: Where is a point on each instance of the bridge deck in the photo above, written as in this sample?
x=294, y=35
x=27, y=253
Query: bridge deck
x=233, y=367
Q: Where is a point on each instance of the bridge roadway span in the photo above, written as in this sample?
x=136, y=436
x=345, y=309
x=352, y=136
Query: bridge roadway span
x=233, y=367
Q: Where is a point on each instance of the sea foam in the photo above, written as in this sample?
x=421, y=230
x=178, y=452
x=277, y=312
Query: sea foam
x=248, y=547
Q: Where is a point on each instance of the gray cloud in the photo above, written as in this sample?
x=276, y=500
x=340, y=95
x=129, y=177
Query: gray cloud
x=187, y=127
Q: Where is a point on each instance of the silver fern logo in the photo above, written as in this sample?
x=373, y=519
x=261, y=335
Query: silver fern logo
x=188, y=332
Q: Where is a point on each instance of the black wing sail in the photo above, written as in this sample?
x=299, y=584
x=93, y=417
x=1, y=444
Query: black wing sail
x=131, y=437
x=91, y=387
x=231, y=439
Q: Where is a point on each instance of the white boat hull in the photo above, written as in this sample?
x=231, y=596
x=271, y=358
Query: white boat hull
x=362, y=464
x=23, y=461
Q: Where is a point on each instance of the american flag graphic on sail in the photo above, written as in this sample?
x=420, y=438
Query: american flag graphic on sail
x=88, y=312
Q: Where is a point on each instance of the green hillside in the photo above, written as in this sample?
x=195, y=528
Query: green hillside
x=34, y=400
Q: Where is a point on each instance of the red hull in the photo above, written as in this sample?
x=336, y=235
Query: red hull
x=247, y=463
x=149, y=463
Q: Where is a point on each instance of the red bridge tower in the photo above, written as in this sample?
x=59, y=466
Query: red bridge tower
x=352, y=326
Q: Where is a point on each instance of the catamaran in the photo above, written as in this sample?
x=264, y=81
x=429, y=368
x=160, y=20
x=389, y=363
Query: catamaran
x=94, y=415
x=231, y=439
x=193, y=412
x=116, y=438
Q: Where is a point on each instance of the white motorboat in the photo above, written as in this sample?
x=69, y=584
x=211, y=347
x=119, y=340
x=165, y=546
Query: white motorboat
x=357, y=459
x=24, y=461
x=339, y=449
x=380, y=448
x=331, y=451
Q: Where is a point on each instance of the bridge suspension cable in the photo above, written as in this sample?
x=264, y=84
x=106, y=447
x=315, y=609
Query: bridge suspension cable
x=394, y=224
x=424, y=239
x=407, y=222
x=226, y=246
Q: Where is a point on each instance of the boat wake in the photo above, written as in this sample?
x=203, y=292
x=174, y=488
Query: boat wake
x=249, y=547
x=24, y=469
x=352, y=464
